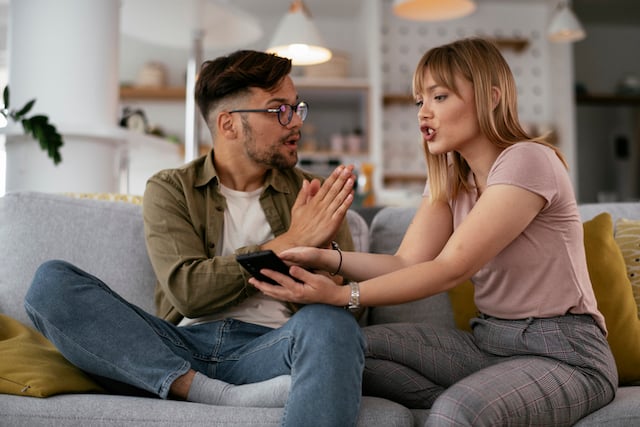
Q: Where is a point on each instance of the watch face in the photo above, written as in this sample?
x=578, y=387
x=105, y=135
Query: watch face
x=137, y=122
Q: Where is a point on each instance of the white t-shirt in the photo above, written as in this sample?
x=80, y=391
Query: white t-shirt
x=246, y=224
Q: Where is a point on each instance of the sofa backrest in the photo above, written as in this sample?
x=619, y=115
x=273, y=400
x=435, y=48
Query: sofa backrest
x=104, y=238
x=385, y=234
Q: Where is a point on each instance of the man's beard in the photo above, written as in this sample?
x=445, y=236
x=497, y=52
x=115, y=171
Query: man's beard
x=270, y=157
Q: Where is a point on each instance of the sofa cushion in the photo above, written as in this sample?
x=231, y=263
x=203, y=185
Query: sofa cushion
x=385, y=234
x=82, y=410
x=104, y=238
x=32, y=366
x=623, y=411
x=611, y=285
x=464, y=309
x=627, y=235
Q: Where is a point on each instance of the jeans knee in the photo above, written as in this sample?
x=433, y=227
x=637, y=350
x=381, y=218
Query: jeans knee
x=49, y=282
x=331, y=326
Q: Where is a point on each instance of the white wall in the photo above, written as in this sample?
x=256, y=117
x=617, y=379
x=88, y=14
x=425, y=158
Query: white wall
x=543, y=73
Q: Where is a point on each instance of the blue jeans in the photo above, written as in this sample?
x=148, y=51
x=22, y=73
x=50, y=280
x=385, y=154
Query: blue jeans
x=321, y=347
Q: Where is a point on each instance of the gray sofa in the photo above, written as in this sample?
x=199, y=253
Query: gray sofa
x=106, y=239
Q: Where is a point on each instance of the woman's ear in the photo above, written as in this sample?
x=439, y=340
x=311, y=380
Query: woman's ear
x=495, y=97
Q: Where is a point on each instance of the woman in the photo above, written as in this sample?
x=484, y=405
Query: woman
x=498, y=209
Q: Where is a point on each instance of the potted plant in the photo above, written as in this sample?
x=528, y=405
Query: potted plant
x=37, y=126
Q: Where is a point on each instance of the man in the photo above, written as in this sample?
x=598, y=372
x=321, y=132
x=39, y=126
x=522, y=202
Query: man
x=213, y=329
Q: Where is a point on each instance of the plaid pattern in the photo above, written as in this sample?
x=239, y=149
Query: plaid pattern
x=531, y=372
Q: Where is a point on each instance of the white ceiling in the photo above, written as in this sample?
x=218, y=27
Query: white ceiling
x=617, y=12
x=607, y=12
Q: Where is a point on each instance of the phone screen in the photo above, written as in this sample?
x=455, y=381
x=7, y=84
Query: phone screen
x=255, y=261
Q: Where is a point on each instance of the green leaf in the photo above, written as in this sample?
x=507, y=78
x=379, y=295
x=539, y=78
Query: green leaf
x=25, y=109
x=26, y=125
x=40, y=119
x=38, y=127
x=47, y=135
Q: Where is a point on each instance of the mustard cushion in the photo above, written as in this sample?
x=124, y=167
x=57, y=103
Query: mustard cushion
x=627, y=237
x=111, y=197
x=32, y=366
x=611, y=287
x=464, y=308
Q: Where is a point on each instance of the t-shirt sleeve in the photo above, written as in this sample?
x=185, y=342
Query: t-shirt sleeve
x=528, y=165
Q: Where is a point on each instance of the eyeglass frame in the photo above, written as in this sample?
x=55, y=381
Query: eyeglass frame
x=279, y=111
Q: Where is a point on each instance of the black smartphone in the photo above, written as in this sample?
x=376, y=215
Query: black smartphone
x=255, y=261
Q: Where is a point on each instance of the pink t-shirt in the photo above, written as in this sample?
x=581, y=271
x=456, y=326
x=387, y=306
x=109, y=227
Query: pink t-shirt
x=543, y=272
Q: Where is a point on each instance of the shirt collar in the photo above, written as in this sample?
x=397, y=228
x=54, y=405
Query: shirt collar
x=206, y=172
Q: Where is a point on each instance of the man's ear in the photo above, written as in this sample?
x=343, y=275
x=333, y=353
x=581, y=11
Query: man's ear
x=495, y=97
x=226, y=125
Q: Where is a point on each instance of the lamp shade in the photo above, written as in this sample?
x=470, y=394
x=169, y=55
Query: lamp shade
x=433, y=10
x=564, y=26
x=297, y=38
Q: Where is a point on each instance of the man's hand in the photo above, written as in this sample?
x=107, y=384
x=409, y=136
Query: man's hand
x=318, y=212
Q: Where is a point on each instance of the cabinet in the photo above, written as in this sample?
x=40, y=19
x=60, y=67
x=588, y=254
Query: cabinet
x=608, y=100
x=609, y=155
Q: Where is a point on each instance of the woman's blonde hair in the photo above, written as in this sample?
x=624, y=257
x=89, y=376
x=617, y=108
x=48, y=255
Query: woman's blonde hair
x=480, y=62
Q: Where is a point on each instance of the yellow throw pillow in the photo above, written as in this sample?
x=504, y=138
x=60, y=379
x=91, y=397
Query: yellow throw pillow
x=611, y=287
x=464, y=309
x=627, y=237
x=111, y=197
x=32, y=366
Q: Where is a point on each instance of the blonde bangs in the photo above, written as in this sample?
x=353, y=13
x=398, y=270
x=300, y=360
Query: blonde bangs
x=442, y=67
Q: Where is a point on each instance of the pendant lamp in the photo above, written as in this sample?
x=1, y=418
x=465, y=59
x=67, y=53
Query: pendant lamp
x=433, y=10
x=564, y=25
x=297, y=38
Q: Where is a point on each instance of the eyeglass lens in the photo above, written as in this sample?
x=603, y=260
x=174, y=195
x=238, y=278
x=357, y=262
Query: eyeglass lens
x=285, y=112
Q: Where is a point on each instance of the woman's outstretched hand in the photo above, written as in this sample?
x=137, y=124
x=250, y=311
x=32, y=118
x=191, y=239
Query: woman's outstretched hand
x=311, y=288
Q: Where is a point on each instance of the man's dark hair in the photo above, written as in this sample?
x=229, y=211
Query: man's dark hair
x=236, y=73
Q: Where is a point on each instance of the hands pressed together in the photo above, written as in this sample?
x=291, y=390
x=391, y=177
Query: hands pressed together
x=319, y=210
x=316, y=216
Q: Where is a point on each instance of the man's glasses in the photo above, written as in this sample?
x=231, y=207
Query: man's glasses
x=285, y=112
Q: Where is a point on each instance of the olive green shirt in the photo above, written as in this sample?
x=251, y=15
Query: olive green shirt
x=183, y=213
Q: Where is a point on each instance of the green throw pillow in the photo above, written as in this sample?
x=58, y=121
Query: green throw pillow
x=32, y=366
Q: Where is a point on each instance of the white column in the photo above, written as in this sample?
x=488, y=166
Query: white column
x=65, y=54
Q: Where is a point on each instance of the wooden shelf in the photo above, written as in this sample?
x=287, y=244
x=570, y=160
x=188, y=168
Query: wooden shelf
x=395, y=178
x=169, y=93
x=515, y=44
x=332, y=86
x=608, y=99
x=397, y=98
